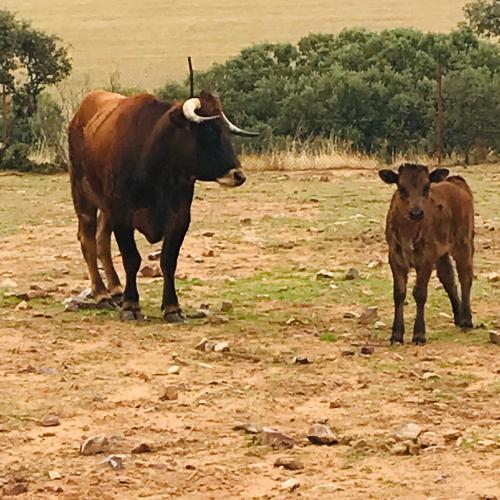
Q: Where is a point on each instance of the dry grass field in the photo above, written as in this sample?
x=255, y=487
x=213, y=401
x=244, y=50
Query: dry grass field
x=147, y=42
x=259, y=247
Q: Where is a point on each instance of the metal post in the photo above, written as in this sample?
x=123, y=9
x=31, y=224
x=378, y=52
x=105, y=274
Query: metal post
x=191, y=77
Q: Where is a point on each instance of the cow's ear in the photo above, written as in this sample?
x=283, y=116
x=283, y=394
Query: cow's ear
x=388, y=176
x=439, y=174
x=177, y=117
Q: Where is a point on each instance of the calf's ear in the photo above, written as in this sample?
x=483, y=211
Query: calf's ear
x=388, y=176
x=439, y=174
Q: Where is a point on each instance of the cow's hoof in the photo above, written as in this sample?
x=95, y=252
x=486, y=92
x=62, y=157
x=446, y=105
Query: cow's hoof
x=117, y=299
x=397, y=340
x=107, y=304
x=466, y=325
x=173, y=317
x=419, y=340
x=129, y=315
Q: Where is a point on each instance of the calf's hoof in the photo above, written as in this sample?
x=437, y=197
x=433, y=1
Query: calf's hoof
x=173, y=317
x=419, y=339
x=130, y=312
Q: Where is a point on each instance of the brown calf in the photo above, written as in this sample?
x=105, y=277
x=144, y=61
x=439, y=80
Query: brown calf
x=431, y=217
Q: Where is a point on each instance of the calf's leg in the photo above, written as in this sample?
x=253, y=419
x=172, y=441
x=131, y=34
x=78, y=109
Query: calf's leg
x=465, y=274
x=400, y=280
x=131, y=262
x=447, y=277
x=420, y=295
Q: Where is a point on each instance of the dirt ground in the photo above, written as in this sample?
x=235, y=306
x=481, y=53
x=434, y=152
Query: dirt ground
x=258, y=248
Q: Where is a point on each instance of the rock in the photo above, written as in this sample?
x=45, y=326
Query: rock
x=208, y=234
x=94, y=445
x=221, y=347
x=351, y=315
x=493, y=277
x=50, y=421
x=324, y=178
x=352, y=274
x=367, y=350
x=431, y=376
x=22, y=306
x=174, y=370
x=324, y=274
x=275, y=438
x=347, y=351
x=246, y=221
x=428, y=439
x=155, y=255
x=114, y=461
x=199, y=260
x=198, y=314
x=290, y=484
x=450, y=435
x=494, y=337
x=141, y=448
x=408, y=432
x=201, y=345
x=171, y=393
x=226, y=306
x=380, y=325
x=369, y=316
x=336, y=403
x=151, y=271
x=14, y=489
x=8, y=283
x=375, y=263
x=321, y=434
x=249, y=428
x=208, y=252
x=54, y=474
x=301, y=360
x=288, y=463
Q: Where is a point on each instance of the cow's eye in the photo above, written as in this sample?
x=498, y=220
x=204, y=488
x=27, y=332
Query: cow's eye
x=403, y=192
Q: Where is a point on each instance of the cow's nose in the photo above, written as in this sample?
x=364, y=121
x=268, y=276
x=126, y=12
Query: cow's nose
x=239, y=177
x=416, y=214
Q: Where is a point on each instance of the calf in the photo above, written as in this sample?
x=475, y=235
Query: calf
x=431, y=217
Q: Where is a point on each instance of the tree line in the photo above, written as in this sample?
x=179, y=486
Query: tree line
x=373, y=92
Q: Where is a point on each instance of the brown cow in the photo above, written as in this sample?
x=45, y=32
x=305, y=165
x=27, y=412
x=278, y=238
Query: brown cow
x=431, y=217
x=134, y=161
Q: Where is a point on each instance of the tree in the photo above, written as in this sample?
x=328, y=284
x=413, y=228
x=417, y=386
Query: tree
x=483, y=17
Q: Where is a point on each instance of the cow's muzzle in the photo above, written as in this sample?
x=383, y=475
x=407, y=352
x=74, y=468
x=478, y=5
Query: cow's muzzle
x=233, y=178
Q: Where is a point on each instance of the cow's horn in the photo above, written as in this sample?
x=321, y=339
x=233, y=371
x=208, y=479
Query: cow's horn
x=236, y=130
x=189, y=110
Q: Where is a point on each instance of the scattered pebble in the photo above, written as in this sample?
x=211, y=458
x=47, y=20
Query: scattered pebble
x=174, y=370
x=155, y=255
x=409, y=431
x=494, y=337
x=54, y=474
x=141, y=448
x=290, y=484
x=321, y=434
x=171, y=393
x=151, y=271
x=94, y=445
x=23, y=306
x=249, y=428
x=50, y=421
x=324, y=274
x=221, y=347
x=114, y=461
x=369, y=315
x=275, y=438
x=226, y=306
x=352, y=274
x=301, y=360
x=367, y=350
x=288, y=463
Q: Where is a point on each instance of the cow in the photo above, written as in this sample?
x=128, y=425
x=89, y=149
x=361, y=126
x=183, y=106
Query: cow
x=430, y=219
x=134, y=162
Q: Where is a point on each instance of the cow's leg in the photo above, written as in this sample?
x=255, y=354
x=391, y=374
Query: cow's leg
x=131, y=262
x=400, y=279
x=465, y=273
x=420, y=296
x=174, y=234
x=104, y=230
x=447, y=277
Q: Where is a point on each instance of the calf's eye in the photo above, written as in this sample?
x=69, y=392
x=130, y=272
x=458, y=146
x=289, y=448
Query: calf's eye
x=403, y=192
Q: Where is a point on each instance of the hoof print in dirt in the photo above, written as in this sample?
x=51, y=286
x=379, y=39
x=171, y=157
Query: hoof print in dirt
x=321, y=434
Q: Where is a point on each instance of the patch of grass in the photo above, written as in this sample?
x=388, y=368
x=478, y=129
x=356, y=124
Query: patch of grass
x=328, y=337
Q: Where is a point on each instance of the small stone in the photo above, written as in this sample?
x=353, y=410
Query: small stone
x=450, y=435
x=367, y=350
x=301, y=360
x=50, y=421
x=246, y=221
x=408, y=432
x=322, y=434
x=208, y=252
x=174, y=370
x=199, y=260
x=375, y=263
x=348, y=351
x=114, y=461
x=94, y=445
x=288, y=463
x=380, y=325
x=8, y=283
x=249, y=428
x=493, y=277
x=352, y=274
x=336, y=403
x=18, y=488
x=290, y=484
x=430, y=439
x=151, y=271
x=431, y=376
x=141, y=448
x=275, y=438
x=369, y=315
x=226, y=306
x=324, y=274
x=54, y=474
x=324, y=178
x=494, y=337
x=22, y=306
x=208, y=234
x=171, y=393
x=201, y=345
x=351, y=315
x=221, y=347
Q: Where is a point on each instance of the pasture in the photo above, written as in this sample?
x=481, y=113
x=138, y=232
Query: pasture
x=147, y=42
x=258, y=248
